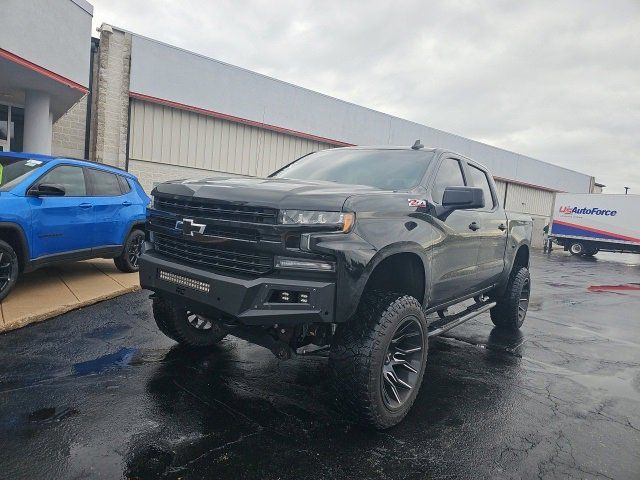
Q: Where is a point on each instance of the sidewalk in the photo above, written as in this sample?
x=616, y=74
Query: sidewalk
x=55, y=290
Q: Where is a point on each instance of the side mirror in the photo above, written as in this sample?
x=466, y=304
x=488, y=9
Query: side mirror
x=47, y=190
x=463, y=198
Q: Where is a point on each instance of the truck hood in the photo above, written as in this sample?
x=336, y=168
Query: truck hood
x=277, y=193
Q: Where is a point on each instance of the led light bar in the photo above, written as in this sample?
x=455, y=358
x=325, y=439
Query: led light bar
x=304, y=264
x=184, y=281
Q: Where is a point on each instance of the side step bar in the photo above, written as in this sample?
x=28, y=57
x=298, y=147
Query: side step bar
x=460, y=318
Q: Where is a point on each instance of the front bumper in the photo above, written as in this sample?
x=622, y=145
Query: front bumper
x=245, y=300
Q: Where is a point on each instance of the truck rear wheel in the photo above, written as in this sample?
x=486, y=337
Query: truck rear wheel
x=185, y=327
x=378, y=358
x=511, y=308
x=577, y=248
x=9, y=269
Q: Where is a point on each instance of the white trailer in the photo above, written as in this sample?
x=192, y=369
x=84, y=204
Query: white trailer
x=587, y=223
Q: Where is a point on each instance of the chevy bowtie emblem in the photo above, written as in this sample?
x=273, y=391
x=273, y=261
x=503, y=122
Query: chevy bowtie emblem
x=188, y=226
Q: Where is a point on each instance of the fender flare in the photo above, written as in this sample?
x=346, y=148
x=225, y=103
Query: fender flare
x=24, y=244
x=376, y=260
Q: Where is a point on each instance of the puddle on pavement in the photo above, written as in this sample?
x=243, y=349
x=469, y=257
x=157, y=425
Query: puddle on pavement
x=121, y=358
x=50, y=414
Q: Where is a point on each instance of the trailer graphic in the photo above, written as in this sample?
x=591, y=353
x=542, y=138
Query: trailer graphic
x=587, y=223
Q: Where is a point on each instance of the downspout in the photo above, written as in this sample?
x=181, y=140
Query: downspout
x=87, y=121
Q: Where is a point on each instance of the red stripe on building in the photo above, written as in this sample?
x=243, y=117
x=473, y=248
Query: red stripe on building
x=41, y=70
x=596, y=230
x=232, y=118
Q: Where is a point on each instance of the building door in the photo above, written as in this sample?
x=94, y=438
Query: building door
x=11, y=128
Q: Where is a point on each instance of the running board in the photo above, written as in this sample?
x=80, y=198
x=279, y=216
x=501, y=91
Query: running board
x=460, y=318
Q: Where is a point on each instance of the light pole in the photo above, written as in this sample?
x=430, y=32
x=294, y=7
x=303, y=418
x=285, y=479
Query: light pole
x=626, y=190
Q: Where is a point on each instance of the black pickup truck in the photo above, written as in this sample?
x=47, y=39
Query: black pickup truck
x=358, y=251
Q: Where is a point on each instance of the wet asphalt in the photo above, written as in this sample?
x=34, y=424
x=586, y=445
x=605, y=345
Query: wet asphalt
x=100, y=393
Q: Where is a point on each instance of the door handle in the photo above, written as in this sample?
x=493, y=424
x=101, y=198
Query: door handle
x=127, y=203
x=474, y=226
x=502, y=227
x=85, y=205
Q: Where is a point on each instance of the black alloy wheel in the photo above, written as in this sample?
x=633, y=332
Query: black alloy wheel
x=134, y=250
x=402, y=363
x=9, y=269
x=523, y=302
x=198, y=322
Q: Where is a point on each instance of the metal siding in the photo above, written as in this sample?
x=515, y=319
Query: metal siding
x=501, y=187
x=171, y=136
x=536, y=201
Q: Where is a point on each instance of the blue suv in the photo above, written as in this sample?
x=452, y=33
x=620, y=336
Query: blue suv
x=59, y=209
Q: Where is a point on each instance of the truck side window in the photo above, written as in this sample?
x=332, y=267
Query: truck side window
x=480, y=180
x=449, y=175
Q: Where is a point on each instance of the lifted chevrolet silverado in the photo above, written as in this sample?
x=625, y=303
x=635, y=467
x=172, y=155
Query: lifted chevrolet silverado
x=358, y=251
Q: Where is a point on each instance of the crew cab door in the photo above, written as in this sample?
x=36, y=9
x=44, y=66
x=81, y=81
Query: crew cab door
x=61, y=224
x=455, y=253
x=492, y=228
x=111, y=208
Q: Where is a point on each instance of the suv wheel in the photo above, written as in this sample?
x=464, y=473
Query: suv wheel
x=184, y=326
x=9, y=269
x=127, y=261
x=511, y=308
x=378, y=358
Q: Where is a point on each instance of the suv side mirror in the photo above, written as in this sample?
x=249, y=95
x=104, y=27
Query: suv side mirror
x=463, y=198
x=47, y=190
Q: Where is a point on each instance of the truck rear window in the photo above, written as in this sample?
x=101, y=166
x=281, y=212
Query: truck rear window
x=383, y=169
x=13, y=170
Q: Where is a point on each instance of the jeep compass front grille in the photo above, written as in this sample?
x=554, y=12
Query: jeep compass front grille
x=217, y=211
x=207, y=255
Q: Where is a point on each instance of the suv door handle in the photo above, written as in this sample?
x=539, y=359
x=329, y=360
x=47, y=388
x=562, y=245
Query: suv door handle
x=502, y=227
x=474, y=226
x=85, y=205
x=127, y=203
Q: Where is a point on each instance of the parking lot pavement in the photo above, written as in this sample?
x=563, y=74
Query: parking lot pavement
x=100, y=393
x=51, y=291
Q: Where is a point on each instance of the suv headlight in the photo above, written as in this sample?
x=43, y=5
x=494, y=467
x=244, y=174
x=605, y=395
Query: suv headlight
x=341, y=220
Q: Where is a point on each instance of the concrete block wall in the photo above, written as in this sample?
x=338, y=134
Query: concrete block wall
x=68, y=132
x=110, y=122
x=151, y=173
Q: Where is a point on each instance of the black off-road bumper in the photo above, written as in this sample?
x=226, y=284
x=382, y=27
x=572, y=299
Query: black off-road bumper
x=246, y=300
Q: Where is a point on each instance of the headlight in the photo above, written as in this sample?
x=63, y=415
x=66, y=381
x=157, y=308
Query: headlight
x=308, y=217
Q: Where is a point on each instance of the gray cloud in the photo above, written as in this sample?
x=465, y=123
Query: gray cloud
x=556, y=80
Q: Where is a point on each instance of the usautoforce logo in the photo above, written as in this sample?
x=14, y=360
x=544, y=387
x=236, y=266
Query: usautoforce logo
x=587, y=211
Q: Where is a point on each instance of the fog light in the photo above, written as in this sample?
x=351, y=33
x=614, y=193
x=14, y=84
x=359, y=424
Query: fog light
x=304, y=264
x=284, y=297
x=303, y=297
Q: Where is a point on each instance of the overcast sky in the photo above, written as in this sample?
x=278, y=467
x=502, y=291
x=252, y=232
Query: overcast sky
x=556, y=80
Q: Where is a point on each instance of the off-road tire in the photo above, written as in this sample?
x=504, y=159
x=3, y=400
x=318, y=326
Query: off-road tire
x=124, y=262
x=358, y=351
x=172, y=320
x=8, y=264
x=507, y=314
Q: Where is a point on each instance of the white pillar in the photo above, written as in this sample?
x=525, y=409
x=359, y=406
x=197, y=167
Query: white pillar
x=37, y=122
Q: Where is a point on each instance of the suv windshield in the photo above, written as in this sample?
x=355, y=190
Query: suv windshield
x=13, y=170
x=384, y=169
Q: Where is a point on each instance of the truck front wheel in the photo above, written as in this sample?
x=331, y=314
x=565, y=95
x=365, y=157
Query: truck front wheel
x=185, y=327
x=378, y=358
x=511, y=307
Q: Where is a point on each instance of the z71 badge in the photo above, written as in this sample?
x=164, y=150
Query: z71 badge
x=415, y=202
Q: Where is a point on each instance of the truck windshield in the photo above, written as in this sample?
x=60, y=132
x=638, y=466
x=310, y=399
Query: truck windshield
x=13, y=170
x=384, y=169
